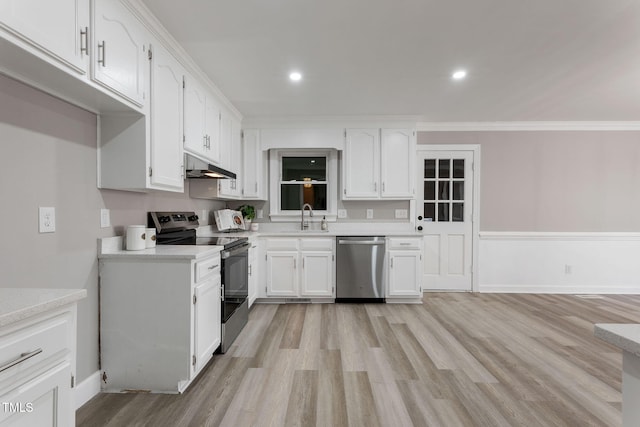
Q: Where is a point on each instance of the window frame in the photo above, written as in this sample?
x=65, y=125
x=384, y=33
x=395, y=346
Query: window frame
x=275, y=179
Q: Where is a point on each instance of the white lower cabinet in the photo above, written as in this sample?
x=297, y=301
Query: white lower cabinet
x=160, y=321
x=404, y=261
x=253, y=271
x=37, y=369
x=300, y=267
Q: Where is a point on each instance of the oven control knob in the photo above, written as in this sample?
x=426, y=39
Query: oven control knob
x=193, y=218
x=164, y=219
x=419, y=228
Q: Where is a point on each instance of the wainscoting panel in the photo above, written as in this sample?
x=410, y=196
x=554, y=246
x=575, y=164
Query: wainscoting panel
x=573, y=263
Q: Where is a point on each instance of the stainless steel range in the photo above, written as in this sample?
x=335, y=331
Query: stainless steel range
x=179, y=228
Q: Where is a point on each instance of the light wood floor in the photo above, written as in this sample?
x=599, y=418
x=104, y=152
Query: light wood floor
x=456, y=360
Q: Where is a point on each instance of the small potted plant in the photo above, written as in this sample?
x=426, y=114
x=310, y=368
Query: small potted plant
x=248, y=214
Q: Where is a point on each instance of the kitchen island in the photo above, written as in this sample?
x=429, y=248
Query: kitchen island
x=627, y=338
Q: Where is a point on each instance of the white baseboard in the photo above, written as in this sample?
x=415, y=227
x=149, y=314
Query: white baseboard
x=87, y=389
x=566, y=263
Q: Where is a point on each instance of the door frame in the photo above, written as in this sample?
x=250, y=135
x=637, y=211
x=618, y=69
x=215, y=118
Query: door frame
x=475, y=215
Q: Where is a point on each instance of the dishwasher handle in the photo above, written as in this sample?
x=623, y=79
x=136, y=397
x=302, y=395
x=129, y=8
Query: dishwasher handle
x=361, y=242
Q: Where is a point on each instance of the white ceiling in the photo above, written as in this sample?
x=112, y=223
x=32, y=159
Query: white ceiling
x=541, y=60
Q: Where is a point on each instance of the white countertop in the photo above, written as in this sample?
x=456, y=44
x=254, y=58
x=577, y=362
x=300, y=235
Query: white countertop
x=208, y=232
x=623, y=335
x=20, y=303
x=111, y=248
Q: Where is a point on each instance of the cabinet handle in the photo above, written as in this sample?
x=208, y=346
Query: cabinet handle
x=391, y=262
x=405, y=244
x=213, y=267
x=208, y=142
x=383, y=186
x=102, y=47
x=250, y=270
x=294, y=264
x=84, y=35
x=256, y=186
x=375, y=186
x=20, y=359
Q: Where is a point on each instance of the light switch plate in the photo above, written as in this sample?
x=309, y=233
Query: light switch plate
x=47, y=219
x=105, y=218
x=342, y=213
x=369, y=213
x=259, y=213
x=401, y=213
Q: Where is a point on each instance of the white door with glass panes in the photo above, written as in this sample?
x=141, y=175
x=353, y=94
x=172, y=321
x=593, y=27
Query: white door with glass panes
x=444, y=216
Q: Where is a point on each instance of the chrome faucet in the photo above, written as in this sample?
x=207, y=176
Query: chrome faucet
x=305, y=224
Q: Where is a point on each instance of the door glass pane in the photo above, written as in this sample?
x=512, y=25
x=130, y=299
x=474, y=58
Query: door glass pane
x=430, y=190
x=458, y=190
x=293, y=196
x=444, y=166
x=443, y=212
x=458, y=168
x=457, y=213
x=429, y=211
x=443, y=190
x=429, y=168
x=299, y=168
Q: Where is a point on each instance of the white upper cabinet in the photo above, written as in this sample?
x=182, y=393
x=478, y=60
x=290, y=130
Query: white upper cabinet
x=378, y=164
x=253, y=162
x=397, y=148
x=166, y=172
x=231, y=153
x=202, y=122
x=57, y=29
x=119, y=51
x=361, y=164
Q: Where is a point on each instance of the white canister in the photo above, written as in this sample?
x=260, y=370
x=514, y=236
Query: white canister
x=150, y=238
x=136, y=237
x=254, y=226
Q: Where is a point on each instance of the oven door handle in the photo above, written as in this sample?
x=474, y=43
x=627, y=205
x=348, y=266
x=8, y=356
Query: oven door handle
x=235, y=251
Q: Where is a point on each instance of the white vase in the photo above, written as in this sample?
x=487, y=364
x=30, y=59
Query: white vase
x=247, y=224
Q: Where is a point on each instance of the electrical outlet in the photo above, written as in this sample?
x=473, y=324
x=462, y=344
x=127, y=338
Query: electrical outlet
x=47, y=220
x=369, y=213
x=259, y=213
x=568, y=269
x=342, y=213
x=105, y=218
x=204, y=217
x=401, y=213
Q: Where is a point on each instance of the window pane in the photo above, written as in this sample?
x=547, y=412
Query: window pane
x=458, y=190
x=443, y=212
x=430, y=190
x=443, y=190
x=458, y=168
x=293, y=196
x=444, y=166
x=430, y=168
x=430, y=211
x=299, y=168
x=457, y=214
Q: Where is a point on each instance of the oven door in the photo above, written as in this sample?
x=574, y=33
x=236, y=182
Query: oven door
x=235, y=279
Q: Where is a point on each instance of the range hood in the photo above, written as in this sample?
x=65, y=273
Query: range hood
x=199, y=169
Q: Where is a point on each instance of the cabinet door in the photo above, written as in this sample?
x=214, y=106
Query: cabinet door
x=361, y=164
x=317, y=278
x=195, y=137
x=230, y=152
x=404, y=274
x=282, y=273
x=396, y=163
x=253, y=273
x=207, y=321
x=166, y=121
x=56, y=28
x=212, y=129
x=252, y=167
x=42, y=401
x=119, y=50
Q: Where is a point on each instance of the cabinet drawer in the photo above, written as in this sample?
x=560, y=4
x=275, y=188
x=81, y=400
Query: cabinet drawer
x=26, y=347
x=404, y=243
x=316, y=244
x=282, y=244
x=206, y=267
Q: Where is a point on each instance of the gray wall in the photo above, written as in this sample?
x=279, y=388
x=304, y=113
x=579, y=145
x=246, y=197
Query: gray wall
x=555, y=180
x=48, y=158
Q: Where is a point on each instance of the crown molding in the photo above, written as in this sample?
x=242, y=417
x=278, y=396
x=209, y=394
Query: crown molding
x=302, y=122
x=526, y=126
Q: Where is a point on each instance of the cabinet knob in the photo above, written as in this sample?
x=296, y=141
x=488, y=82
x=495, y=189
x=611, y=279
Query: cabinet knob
x=419, y=228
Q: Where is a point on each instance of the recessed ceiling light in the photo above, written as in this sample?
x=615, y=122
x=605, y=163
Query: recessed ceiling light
x=459, y=74
x=295, y=76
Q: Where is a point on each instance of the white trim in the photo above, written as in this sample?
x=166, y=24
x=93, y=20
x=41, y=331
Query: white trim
x=551, y=289
x=330, y=122
x=545, y=235
x=525, y=126
x=87, y=389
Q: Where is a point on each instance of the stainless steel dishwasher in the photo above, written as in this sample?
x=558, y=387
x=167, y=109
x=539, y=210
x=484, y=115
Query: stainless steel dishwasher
x=359, y=264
